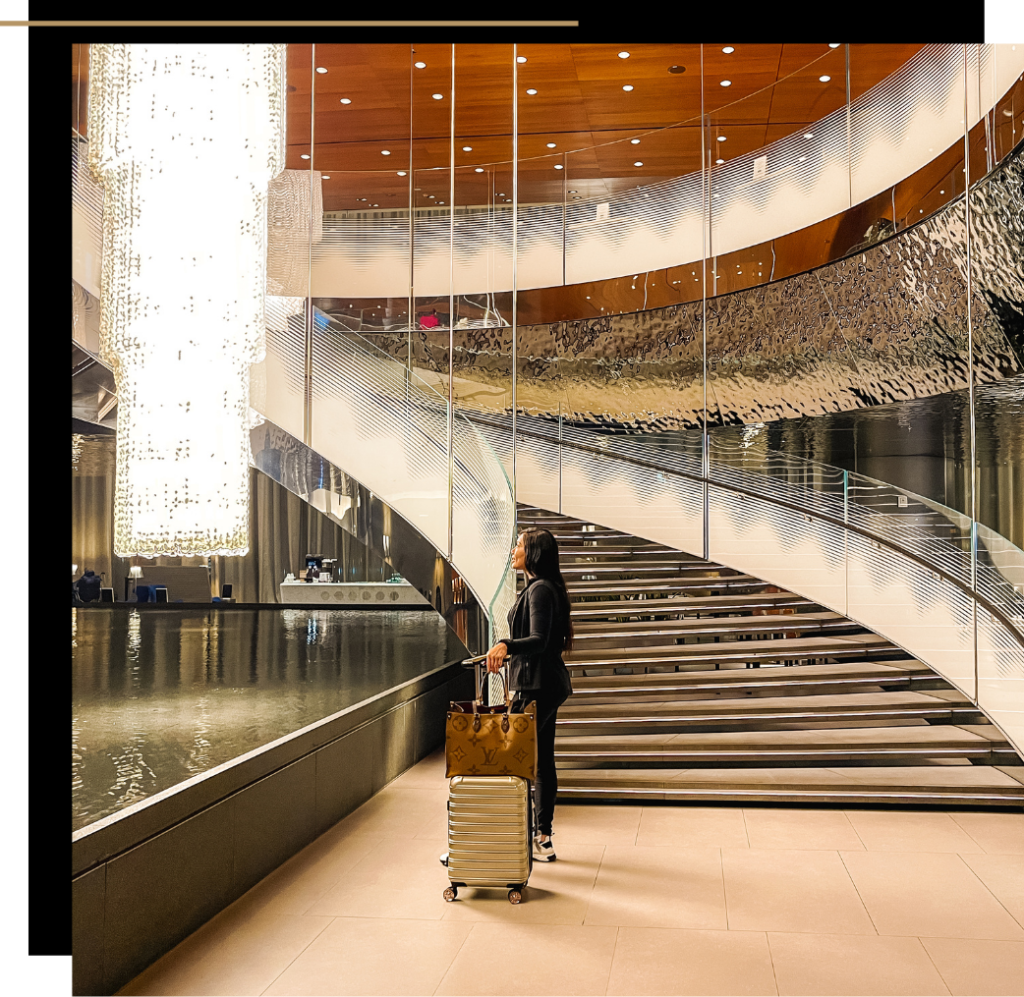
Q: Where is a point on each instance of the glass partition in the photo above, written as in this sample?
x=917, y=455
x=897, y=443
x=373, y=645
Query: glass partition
x=700, y=282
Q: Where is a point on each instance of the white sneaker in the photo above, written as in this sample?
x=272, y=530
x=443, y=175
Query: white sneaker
x=444, y=860
x=543, y=851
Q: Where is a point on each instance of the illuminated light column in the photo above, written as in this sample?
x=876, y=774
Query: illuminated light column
x=185, y=140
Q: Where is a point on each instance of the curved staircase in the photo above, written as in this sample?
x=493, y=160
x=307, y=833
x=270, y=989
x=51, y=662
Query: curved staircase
x=694, y=682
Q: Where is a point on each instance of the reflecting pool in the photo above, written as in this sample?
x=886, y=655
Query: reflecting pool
x=160, y=696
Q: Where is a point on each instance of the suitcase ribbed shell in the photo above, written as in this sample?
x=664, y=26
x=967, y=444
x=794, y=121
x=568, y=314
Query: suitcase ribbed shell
x=489, y=831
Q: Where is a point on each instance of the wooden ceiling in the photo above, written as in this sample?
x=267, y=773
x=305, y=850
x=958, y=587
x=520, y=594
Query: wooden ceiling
x=579, y=105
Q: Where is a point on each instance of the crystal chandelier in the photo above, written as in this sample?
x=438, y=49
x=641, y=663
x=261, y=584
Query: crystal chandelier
x=185, y=140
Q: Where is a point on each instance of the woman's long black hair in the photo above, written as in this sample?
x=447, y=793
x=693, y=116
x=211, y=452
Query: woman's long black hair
x=542, y=561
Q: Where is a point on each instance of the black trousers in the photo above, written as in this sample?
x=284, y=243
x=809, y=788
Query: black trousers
x=546, y=784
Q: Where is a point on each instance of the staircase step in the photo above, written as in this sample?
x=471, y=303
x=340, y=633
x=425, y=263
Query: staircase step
x=751, y=651
x=876, y=745
x=740, y=681
x=705, y=605
x=938, y=785
x=672, y=586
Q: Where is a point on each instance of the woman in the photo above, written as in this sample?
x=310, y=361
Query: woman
x=541, y=631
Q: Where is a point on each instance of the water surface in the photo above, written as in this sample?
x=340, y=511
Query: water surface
x=159, y=696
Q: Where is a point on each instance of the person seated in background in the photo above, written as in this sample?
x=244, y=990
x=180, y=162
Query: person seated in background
x=430, y=320
x=88, y=586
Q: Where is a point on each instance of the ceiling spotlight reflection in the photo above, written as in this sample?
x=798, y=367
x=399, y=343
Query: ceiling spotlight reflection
x=320, y=69
x=385, y=152
x=559, y=166
x=303, y=156
x=346, y=100
x=402, y=173
x=531, y=91
x=323, y=176
x=833, y=44
x=721, y=138
x=479, y=169
x=824, y=79
x=719, y=161
x=638, y=163
x=420, y=65
x=623, y=55
x=467, y=148
x=728, y=50
x=726, y=83
x=437, y=96
x=634, y=141
x=520, y=58
x=627, y=87
x=551, y=145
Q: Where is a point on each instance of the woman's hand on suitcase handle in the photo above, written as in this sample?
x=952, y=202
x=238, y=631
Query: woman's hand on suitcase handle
x=496, y=657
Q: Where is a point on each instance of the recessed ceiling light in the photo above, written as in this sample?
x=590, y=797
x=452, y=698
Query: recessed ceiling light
x=402, y=173
x=559, y=166
x=677, y=69
x=385, y=152
x=520, y=58
x=467, y=148
x=479, y=169
x=360, y=198
x=628, y=87
x=374, y=205
x=726, y=83
x=323, y=176
x=320, y=69
x=728, y=50
x=623, y=55
x=303, y=156
x=942, y=192
x=721, y=138
x=634, y=141
x=420, y=65
x=501, y=195
x=638, y=163
x=551, y=145
x=346, y=100
x=833, y=44
x=719, y=160
x=577, y=197
x=573, y=191
x=531, y=91
x=437, y=96
x=824, y=79
x=440, y=202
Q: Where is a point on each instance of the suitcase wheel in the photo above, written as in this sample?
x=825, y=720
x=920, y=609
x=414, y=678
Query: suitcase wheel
x=451, y=893
x=515, y=896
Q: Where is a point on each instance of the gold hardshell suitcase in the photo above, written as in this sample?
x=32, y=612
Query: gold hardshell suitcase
x=489, y=834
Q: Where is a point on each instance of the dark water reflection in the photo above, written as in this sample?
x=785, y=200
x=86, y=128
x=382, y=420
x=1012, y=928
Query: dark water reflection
x=160, y=696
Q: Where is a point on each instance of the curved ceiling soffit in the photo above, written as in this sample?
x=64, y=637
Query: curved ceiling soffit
x=883, y=325
x=892, y=130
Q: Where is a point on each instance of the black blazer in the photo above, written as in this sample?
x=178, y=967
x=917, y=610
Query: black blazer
x=537, y=623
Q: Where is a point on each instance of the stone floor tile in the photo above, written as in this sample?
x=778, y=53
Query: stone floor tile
x=803, y=829
x=978, y=967
x=596, y=825
x=659, y=887
x=681, y=961
x=910, y=831
x=373, y=956
x=817, y=965
x=692, y=827
x=527, y=959
x=994, y=832
x=928, y=894
x=1004, y=876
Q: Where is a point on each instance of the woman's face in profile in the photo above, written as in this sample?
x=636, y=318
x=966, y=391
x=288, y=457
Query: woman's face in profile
x=519, y=554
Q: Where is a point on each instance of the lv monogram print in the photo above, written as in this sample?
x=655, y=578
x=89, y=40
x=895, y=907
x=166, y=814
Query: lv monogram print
x=491, y=744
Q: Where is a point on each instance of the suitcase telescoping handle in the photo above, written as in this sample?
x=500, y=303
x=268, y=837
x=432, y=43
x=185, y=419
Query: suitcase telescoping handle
x=477, y=664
